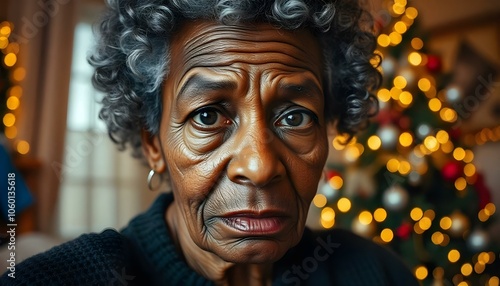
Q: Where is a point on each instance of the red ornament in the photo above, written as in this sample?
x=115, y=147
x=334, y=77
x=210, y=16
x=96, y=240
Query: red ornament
x=384, y=117
x=483, y=192
x=331, y=173
x=404, y=230
x=404, y=123
x=455, y=134
x=433, y=63
x=452, y=170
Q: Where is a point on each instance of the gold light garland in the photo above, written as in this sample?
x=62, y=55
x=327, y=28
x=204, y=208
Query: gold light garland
x=10, y=51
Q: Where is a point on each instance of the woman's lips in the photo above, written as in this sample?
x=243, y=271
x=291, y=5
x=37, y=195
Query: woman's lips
x=255, y=224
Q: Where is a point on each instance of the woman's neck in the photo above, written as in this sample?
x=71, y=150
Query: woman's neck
x=210, y=265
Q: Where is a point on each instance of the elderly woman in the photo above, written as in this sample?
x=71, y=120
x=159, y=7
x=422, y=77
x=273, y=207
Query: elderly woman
x=229, y=102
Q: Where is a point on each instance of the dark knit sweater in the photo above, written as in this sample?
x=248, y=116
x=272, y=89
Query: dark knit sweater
x=144, y=254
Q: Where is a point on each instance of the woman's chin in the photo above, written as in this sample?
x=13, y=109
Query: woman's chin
x=258, y=251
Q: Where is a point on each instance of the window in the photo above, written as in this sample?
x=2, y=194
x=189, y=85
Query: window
x=100, y=186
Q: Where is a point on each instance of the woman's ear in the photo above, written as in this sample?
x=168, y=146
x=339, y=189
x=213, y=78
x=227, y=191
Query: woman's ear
x=153, y=153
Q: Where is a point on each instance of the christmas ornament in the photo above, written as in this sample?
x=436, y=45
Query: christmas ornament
x=423, y=130
x=452, y=170
x=455, y=134
x=327, y=190
x=414, y=178
x=459, y=224
x=404, y=230
x=483, y=192
x=395, y=198
x=433, y=63
x=478, y=240
x=388, y=66
x=409, y=75
x=404, y=123
x=359, y=183
x=453, y=94
x=365, y=230
x=388, y=134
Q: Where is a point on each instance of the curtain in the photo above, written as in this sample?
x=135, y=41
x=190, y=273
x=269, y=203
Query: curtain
x=44, y=31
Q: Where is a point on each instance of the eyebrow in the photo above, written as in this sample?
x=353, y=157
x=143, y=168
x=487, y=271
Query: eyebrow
x=307, y=87
x=198, y=83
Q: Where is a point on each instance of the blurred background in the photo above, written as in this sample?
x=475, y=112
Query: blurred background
x=424, y=179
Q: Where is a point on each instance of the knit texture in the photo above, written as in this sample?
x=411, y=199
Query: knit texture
x=144, y=254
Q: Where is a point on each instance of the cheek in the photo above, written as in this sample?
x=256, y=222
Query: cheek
x=306, y=169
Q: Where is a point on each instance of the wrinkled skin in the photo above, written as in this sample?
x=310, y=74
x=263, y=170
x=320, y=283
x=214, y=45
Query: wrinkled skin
x=243, y=140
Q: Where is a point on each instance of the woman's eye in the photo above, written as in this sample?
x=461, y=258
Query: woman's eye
x=295, y=119
x=210, y=117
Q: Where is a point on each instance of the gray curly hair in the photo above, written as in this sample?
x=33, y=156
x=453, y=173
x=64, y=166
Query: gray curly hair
x=131, y=59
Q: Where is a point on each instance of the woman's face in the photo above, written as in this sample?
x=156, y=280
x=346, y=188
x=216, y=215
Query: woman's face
x=243, y=135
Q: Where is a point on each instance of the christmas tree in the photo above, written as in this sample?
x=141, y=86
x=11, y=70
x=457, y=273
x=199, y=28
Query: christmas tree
x=409, y=181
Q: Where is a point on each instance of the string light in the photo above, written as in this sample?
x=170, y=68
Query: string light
x=319, y=200
x=10, y=132
x=417, y=43
x=406, y=98
x=400, y=82
x=460, y=184
x=404, y=167
x=344, y=205
x=9, y=120
x=400, y=27
x=398, y=9
x=384, y=95
x=405, y=139
x=336, y=182
x=445, y=223
x=374, y=142
x=395, y=92
x=365, y=217
x=435, y=104
x=386, y=235
x=23, y=147
x=437, y=238
x=469, y=170
x=431, y=143
x=383, y=40
x=416, y=213
x=14, y=93
x=380, y=215
x=395, y=38
x=421, y=272
x=414, y=58
x=411, y=13
x=459, y=153
x=393, y=165
x=13, y=103
x=19, y=74
x=453, y=255
x=442, y=136
x=425, y=223
x=10, y=59
x=448, y=114
x=469, y=156
x=490, y=209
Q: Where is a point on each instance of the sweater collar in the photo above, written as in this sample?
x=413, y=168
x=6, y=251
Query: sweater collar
x=149, y=232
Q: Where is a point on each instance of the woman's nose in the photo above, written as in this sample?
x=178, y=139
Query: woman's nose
x=256, y=160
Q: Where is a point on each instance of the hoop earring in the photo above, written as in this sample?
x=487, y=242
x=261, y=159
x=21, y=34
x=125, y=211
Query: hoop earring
x=150, y=180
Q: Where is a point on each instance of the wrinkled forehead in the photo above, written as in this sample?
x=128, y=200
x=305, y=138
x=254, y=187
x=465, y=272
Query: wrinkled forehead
x=209, y=44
